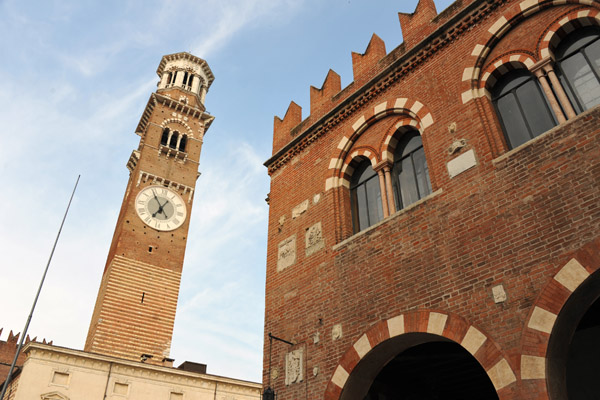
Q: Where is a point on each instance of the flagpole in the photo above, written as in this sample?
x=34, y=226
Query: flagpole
x=24, y=333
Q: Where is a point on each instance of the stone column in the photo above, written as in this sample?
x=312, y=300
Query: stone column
x=179, y=78
x=388, y=186
x=538, y=70
x=195, y=83
x=560, y=92
x=163, y=82
x=383, y=190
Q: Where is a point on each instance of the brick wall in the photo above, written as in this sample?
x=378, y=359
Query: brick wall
x=514, y=219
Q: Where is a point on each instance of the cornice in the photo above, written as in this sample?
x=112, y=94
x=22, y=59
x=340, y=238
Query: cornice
x=413, y=58
x=178, y=106
x=92, y=361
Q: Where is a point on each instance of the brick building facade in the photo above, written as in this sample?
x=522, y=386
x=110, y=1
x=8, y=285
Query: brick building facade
x=434, y=226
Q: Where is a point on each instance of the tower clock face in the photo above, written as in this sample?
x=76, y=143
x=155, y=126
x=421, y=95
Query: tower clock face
x=160, y=208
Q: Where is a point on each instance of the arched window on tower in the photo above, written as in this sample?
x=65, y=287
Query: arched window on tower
x=410, y=172
x=365, y=195
x=182, y=142
x=578, y=67
x=185, y=79
x=173, y=141
x=165, y=137
x=522, y=107
x=172, y=78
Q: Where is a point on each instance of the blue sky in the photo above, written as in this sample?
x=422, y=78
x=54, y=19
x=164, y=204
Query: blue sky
x=76, y=76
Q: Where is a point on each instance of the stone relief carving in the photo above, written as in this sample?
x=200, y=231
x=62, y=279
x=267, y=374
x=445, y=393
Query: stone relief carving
x=336, y=332
x=314, y=239
x=300, y=209
x=286, y=254
x=293, y=367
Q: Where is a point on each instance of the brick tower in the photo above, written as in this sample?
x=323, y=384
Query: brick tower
x=135, y=309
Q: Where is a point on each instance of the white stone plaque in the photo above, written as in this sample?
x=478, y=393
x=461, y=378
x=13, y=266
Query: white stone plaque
x=286, y=254
x=314, y=239
x=294, y=370
x=462, y=163
x=499, y=294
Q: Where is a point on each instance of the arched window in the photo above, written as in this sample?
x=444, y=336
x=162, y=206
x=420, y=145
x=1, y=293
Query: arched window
x=185, y=78
x=522, y=107
x=165, y=137
x=410, y=173
x=182, y=143
x=578, y=62
x=173, y=141
x=365, y=196
x=169, y=78
x=173, y=77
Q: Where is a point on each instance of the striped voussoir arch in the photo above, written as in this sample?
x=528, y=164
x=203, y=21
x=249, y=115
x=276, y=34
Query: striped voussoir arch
x=450, y=326
x=350, y=161
x=542, y=318
x=390, y=141
x=565, y=25
x=501, y=66
x=413, y=109
x=510, y=18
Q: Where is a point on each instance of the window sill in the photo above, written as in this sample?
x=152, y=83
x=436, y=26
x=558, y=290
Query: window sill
x=385, y=220
x=536, y=139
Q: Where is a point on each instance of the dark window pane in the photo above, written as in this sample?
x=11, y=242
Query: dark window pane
x=173, y=142
x=593, y=54
x=183, y=143
x=365, y=195
x=582, y=80
x=535, y=108
x=512, y=120
x=165, y=137
x=505, y=85
x=411, y=145
x=362, y=205
x=408, y=184
x=422, y=173
x=411, y=175
x=374, y=200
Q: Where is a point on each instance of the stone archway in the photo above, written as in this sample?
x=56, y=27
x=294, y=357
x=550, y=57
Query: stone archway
x=573, y=357
x=417, y=334
x=419, y=366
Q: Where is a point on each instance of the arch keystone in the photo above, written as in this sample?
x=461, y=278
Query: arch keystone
x=436, y=323
x=396, y=325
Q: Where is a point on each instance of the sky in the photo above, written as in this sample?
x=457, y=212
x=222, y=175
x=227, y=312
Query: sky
x=76, y=76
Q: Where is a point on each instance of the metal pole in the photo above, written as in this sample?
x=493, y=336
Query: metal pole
x=24, y=333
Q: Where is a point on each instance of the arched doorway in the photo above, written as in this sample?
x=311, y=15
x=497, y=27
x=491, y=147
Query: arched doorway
x=419, y=366
x=574, y=345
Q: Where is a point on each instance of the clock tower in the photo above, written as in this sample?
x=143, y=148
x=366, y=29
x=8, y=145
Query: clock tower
x=135, y=309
